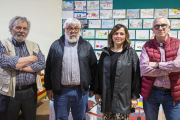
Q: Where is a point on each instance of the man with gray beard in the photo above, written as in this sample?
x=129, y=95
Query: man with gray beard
x=70, y=69
x=21, y=62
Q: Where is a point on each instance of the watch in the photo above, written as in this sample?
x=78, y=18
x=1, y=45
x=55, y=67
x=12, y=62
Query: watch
x=157, y=65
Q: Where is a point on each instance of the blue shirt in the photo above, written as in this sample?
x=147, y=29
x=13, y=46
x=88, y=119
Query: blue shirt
x=22, y=77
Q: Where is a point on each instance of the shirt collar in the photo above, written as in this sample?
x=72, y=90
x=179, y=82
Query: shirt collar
x=161, y=44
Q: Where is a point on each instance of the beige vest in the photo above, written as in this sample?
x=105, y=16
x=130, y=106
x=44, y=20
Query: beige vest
x=8, y=77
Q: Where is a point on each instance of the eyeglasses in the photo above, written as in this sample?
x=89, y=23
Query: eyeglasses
x=71, y=29
x=163, y=26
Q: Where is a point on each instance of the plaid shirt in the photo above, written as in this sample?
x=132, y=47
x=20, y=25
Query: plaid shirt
x=22, y=77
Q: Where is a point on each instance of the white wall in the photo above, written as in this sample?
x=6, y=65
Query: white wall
x=44, y=15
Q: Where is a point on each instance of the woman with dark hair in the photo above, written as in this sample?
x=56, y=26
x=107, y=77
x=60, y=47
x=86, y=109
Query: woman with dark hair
x=118, y=77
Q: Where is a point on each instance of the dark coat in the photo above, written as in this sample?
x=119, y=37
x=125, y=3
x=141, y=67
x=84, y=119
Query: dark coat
x=87, y=64
x=127, y=82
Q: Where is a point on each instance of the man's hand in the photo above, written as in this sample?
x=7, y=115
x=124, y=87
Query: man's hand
x=177, y=58
x=152, y=64
x=134, y=102
x=91, y=93
x=6, y=56
x=50, y=95
x=33, y=58
x=97, y=97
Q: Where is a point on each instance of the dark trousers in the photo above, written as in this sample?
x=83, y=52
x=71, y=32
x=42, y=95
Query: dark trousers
x=4, y=102
x=26, y=101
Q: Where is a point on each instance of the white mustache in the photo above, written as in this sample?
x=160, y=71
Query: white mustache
x=21, y=34
x=72, y=35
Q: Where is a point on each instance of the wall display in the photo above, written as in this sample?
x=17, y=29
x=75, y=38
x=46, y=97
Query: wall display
x=88, y=34
x=173, y=33
x=147, y=23
x=139, y=45
x=92, y=43
x=122, y=21
x=92, y=14
x=132, y=44
x=147, y=13
x=80, y=14
x=94, y=23
x=142, y=34
x=119, y=13
x=92, y=5
x=67, y=14
x=152, y=35
x=101, y=44
x=135, y=23
x=132, y=13
x=138, y=54
x=80, y=5
x=83, y=23
x=98, y=54
x=101, y=34
x=106, y=4
x=67, y=5
x=105, y=14
x=131, y=34
x=174, y=13
x=109, y=31
x=108, y=23
x=161, y=13
x=178, y=34
x=175, y=23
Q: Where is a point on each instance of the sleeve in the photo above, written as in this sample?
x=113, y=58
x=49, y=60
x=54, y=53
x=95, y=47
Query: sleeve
x=8, y=63
x=136, y=77
x=146, y=70
x=47, y=75
x=93, y=67
x=40, y=64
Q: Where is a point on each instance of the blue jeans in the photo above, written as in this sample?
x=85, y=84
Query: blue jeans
x=70, y=97
x=157, y=97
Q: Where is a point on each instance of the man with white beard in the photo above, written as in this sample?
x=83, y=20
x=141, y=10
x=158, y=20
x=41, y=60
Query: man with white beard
x=70, y=69
x=21, y=62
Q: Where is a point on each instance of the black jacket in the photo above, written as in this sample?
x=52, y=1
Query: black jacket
x=127, y=80
x=87, y=64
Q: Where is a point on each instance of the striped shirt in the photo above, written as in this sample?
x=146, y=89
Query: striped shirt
x=70, y=74
x=22, y=77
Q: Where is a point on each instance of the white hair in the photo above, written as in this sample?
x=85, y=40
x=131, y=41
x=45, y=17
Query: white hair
x=72, y=21
x=168, y=23
x=19, y=18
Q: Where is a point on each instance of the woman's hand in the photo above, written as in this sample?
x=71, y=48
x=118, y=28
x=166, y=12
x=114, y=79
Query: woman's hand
x=97, y=97
x=134, y=102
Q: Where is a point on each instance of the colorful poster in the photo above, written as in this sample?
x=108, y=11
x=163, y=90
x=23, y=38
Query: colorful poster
x=132, y=44
x=131, y=34
x=101, y=44
x=101, y=34
x=94, y=23
x=88, y=34
x=92, y=14
x=80, y=14
x=108, y=23
x=132, y=13
x=67, y=5
x=105, y=14
x=147, y=23
x=142, y=34
x=122, y=21
x=175, y=23
x=152, y=35
x=173, y=33
x=79, y=5
x=83, y=23
x=106, y=4
x=135, y=23
x=147, y=13
x=161, y=13
x=174, y=13
x=119, y=13
x=139, y=45
x=98, y=54
x=67, y=14
x=93, y=5
x=92, y=43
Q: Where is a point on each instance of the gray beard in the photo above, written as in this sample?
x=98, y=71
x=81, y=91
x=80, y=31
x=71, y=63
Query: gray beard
x=18, y=38
x=73, y=40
